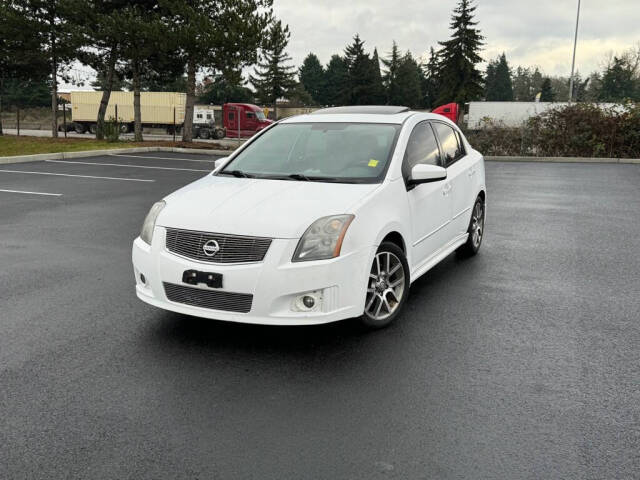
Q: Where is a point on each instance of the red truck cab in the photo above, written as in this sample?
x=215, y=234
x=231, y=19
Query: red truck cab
x=243, y=119
x=450, y=110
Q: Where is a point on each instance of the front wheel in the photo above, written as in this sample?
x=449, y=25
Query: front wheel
x=387, y=286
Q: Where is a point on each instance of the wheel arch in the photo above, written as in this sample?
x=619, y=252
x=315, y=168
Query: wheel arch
x=397, y=239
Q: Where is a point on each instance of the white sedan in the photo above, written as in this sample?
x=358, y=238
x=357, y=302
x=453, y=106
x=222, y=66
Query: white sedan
x=318, y=218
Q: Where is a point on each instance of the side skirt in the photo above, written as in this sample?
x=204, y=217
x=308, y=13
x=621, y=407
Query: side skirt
x=437, y=257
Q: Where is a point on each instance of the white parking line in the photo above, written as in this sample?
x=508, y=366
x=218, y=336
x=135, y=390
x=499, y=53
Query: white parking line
x=160, y=158
x=32, y=193
x=130, y=166
x=78, y=176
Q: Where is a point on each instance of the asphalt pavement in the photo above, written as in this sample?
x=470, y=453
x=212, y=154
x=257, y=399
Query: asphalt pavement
x=520, y=363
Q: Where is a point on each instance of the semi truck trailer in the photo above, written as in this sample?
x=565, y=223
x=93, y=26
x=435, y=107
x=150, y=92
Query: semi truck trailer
x=158, y=110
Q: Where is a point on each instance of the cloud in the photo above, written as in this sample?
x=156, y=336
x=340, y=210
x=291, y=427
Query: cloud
x=530, y=32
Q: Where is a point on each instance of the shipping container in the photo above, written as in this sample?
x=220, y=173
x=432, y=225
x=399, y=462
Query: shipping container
x=157, y=109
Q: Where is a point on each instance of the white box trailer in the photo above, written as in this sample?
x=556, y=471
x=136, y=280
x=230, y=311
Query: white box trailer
x=158, y=109
x=510, y=114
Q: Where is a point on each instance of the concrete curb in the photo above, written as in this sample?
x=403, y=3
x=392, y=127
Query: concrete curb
x=111, y=151
x=489, y=158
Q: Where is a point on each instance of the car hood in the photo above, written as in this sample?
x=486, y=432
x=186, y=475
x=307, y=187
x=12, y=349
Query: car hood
x=257, y=207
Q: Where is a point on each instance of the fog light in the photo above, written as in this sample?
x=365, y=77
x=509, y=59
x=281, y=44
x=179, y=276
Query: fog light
x=308, y=301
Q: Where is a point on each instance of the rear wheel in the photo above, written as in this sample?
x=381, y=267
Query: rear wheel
x=78, y=127
x=93, y=128
x=475, y=230
x=125, y=128
x=387, y=286
x=204, y=133
x=218, y=133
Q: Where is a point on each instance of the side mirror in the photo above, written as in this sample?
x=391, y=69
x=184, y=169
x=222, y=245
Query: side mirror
x=426, y=174
x=220, y=162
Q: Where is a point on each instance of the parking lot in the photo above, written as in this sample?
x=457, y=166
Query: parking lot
x=522, y=362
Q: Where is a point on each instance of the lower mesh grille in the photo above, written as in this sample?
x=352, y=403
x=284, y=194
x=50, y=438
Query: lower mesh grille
x=213, y=299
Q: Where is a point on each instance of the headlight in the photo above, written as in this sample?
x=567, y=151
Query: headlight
x=323, y=239
x=146, y=234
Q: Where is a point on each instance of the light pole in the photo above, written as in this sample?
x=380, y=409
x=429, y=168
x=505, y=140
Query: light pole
x=573, y=61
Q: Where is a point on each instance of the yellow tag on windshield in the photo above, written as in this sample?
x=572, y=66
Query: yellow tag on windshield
x=373, y=163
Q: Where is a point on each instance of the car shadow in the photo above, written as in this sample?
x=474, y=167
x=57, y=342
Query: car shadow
x=173, y=330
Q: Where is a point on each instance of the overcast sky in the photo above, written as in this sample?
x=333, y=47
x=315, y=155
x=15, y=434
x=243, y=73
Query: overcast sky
x=530, y=32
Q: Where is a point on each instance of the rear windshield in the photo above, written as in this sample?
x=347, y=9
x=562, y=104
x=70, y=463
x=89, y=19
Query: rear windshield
x=338, y=152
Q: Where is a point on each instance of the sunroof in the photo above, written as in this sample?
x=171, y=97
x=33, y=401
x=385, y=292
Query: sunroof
x=371, y=109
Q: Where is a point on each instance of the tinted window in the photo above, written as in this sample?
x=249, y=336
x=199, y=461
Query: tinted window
x=208, y=116
x=250, y=115
x=449, y=142
x=199, y=115
x=422, y=148
x=352, y=152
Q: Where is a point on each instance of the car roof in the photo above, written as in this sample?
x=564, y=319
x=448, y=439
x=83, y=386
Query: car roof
x=376, y=109
x=358, y=117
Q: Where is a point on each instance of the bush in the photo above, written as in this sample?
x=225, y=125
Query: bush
x=112, y=130
x=578, y=130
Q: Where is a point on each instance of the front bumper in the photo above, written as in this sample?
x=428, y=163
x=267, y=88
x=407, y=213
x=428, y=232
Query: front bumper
x=275, y=283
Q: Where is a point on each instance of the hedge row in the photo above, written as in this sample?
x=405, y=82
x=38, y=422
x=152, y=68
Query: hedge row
x=578, y=130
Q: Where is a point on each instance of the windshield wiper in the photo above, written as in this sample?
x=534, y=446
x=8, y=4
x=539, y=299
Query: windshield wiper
x=236, y=173
x=299, y=176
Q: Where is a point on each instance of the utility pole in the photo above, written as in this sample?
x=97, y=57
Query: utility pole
x=573, y=61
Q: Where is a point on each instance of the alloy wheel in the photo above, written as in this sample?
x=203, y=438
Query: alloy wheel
x=477, y=224
x=386, y=286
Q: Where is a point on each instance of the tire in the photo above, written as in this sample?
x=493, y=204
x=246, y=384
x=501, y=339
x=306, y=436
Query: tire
x=124, y=128
x=79, y=128
x=218, y=134
x=205, y=133
x=475, y=230
x=394, y=288
x=93, y=128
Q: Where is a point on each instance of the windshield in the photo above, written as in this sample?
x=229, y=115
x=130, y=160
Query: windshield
x=260, y=115
x=338, y=152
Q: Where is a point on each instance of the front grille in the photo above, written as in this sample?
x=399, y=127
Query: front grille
x=213, y=299
x=233, y=248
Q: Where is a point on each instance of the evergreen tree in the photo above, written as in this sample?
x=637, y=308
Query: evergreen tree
x=298, y=95
x=312, y=77
x=224, y=87
x=378, y=95
x=460, y=80
x=337, y=82
x=618, y=82
x=100, y=32
x=498, y=86
x=546, y=94
x=359, y=68
x=22, y=59
x=526, y=84
x=218, y=35
x=142, y=33
x=408, y=80
x=390, y=77
x=273, y=78
x=53, y=25
x=430, y=80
